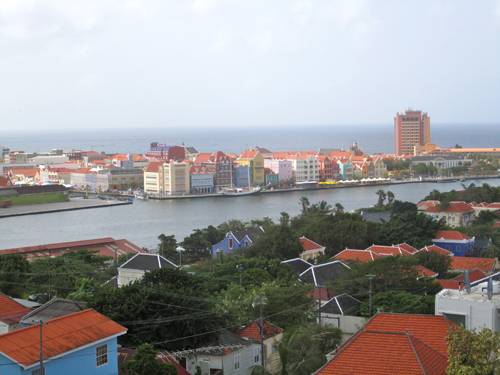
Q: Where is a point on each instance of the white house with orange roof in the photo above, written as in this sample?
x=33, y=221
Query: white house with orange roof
x=310, y=249
x=455, y=213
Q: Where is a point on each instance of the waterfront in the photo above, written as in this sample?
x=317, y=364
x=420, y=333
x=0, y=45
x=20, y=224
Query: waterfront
x=143, y=221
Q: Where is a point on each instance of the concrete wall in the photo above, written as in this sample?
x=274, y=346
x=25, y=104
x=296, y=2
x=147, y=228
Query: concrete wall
x=127, y=276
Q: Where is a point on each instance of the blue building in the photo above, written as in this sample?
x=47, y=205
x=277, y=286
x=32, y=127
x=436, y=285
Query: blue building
x=236, y=240
x=454, y=241
x=80, y=343
x=345, y=169
x=241, y=176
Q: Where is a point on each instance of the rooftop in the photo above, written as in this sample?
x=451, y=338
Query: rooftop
x=309, y=245
x=147, y=262
x=252, y=330
x=451, y=235
x=486, y=265
x=11, y=311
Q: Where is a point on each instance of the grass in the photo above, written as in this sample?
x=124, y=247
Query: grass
x=40, y=198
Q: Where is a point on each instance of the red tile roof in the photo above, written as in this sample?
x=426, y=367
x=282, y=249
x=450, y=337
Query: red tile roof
x=11, y=311
x=455, y=206
x=355, y=255
x=153, y=166
x=309, y=245
x=458, y=282
x=437, y=249
x=249, y=154
x=448, y=283
x=388, y=250
x=410, y=249
x=373, y=352
x=5, y=181
x=474, y=275
x=60, y=335
x=424, y=271
x=486, y=265
x=451, y=235
x=252, y=331
x=104, y=246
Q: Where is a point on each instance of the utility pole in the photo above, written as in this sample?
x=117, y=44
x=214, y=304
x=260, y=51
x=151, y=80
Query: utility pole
x=261, y=301
x=370, y=291
x=319, y=308
x=42, y=369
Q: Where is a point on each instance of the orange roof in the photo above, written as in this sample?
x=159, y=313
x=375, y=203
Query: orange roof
x=451, y=235
x=252, y=331
x=470, y=149
x=309, y=245
x=60, y=335
x=394, y=344
x=424, y=271
x=5, y=181
x=388, y=250
x=455, y=206
x=486, y=265
x=10, y=310
x=26, y=172
x=437, y=249
x=355, y=255
x=430, y=329
x=153, y=166
x=410, y=249
x=458, y=282
x=249, y=154
x=203, y=157
x=448, y=283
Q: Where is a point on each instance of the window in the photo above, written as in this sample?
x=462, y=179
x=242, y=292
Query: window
x=237, y=361
x=256, y=355
x=456, y=318
x=230, y=243
x=101, y=353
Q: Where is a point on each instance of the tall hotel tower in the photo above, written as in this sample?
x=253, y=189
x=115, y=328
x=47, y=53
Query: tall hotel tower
x=411, y=128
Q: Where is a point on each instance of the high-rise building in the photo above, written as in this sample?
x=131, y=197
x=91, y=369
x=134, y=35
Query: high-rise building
x=411, y=128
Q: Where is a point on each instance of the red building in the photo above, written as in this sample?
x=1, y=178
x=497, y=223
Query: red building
x=159, y=151
x=411, y=128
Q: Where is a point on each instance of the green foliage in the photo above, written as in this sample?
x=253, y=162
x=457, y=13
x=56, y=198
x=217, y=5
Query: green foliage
x=434, y=261
x=161, y=308
x=288, y=304
x=381, y=197
x=14, y=269
x=39, y=198
x=144, y=362
x=199, y=243
x=303, y=349
x=401, y=302
x=424, y=170
x=167, y=246
x=61, y=275
x=471, y=193
x=396, y=164
x=473, y=353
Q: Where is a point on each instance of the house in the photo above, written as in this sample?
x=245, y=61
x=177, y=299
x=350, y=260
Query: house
x=394, y=250
x=81, y=343
x=255, y=161
x=394, y=344
x=455, y=213
x=54, y=308
x=346, y=170
x=487, y=265
x=356, y=255
x=271, y=336
x=241, y=176
x=153, y=178
x=219, y=163
x=490, y=207
x=235, y=240
x=105, y=247
x=272, y=179
x=454, y=241
x=320, y=275
x=202, y=179
x=135, y=268
x=282, y=168
x=297, y=265
x=342, y=311
x=458, y=282
x=424, y=272
x=476, y=306
x=228, y=353
x=11, y=312
x=310, y=249
x=436, y=249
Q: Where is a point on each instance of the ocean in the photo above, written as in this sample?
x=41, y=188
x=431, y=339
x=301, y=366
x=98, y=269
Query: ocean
x=372, y=138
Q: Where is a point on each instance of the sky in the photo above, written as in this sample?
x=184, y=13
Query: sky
x=85, y=64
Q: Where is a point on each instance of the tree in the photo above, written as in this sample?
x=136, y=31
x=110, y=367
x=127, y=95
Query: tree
x=434, y=261
x=303, y=349
x=473, y=352
x=304, y=204
x=144, y=362
x=390, y=197
x=14, y=269
x=381, y=198
x=199, y=243
x=339, y=208
x=167, y=246
x=401, y=302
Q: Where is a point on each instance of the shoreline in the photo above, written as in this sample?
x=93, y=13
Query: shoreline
x=332, y=187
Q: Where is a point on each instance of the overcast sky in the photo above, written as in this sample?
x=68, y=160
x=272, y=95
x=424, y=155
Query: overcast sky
x=95, y=63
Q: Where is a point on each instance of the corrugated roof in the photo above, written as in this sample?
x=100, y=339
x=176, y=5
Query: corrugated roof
x=11, y=311
x=252, y=330
x=486, y=265
x=308, y=245
x=60, y=335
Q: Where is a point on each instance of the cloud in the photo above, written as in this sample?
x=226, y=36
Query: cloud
x=203, y=6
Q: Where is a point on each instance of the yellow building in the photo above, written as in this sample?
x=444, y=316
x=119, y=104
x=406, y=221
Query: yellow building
x=168, y=178
x=255, y=161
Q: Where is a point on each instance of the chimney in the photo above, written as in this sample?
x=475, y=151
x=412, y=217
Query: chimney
x=489, y=288
x=467, y=281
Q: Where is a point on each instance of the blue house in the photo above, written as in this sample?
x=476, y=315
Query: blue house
x=456, y=242
x=241, y=176
x=80, y=343
x=236, y=240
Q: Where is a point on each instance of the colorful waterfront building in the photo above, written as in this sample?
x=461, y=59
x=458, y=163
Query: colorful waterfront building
x=241, y=176
x=457, y=242
x=345, y=169
x=159, y=151
x=221, y=163
x=255, y=161
x=272, y=179
x=412, y=128
x=167, y=178
x=202, y=179
x=282, y=168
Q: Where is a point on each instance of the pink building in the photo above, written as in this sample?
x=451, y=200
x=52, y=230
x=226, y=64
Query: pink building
x=411, y=129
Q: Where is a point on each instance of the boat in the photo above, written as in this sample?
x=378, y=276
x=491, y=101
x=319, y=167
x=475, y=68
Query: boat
x=140, y=195
x=238, y=192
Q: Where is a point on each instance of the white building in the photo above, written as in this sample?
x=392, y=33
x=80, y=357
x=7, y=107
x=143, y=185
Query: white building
x=342, y=312
x=477, y=306
x=135, y=268
x=305, y=168
x=283, y=168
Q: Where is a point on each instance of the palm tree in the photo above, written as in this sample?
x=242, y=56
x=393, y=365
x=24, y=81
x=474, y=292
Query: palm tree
x=381, y=197
x=304, y=202
x=390, y=197
x=339, y=208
